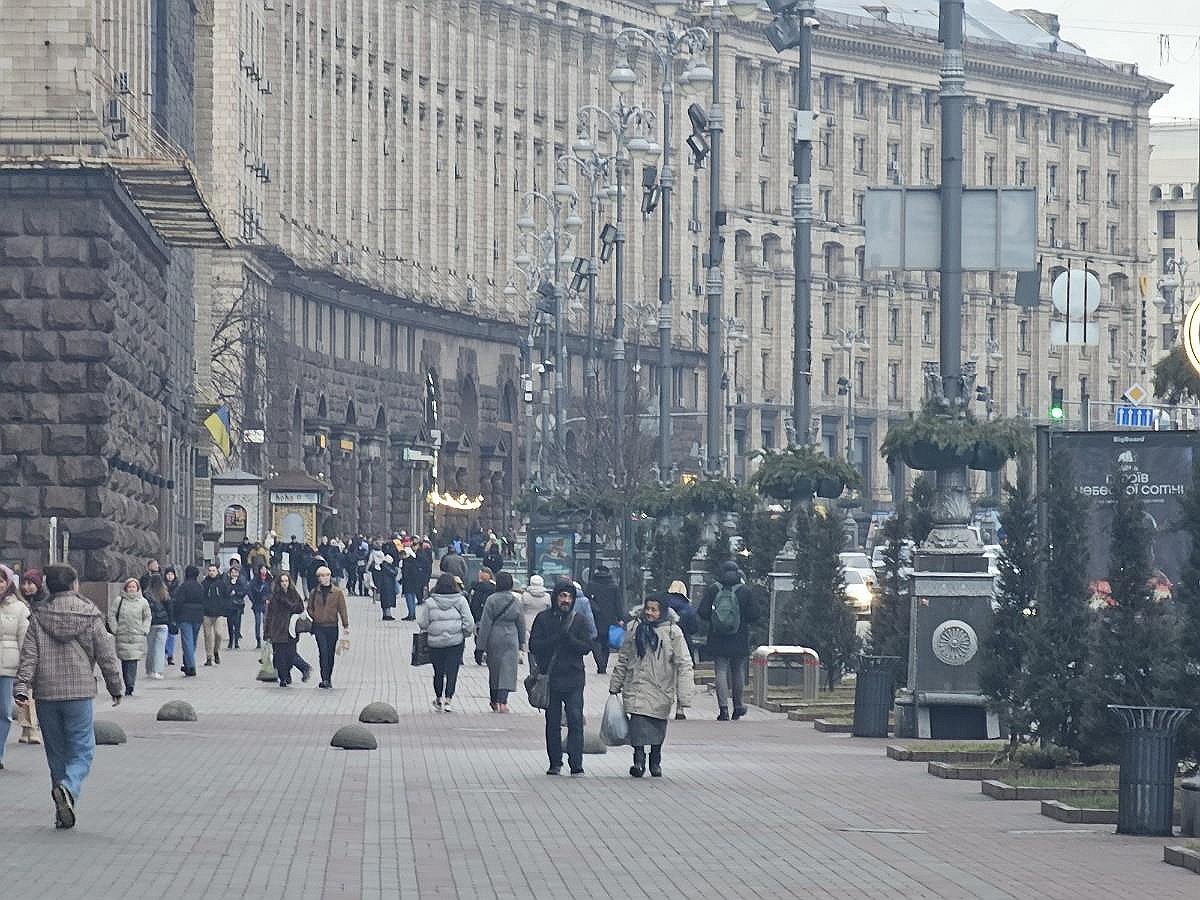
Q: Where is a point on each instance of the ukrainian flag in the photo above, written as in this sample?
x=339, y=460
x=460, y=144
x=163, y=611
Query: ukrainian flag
x=218, y=426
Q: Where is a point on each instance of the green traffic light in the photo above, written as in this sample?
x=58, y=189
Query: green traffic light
x=1056, y=412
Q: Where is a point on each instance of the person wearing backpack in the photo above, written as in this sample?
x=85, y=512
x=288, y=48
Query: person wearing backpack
x=729, y=610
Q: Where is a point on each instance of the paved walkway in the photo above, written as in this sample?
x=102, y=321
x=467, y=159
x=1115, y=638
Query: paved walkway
x=250, y=801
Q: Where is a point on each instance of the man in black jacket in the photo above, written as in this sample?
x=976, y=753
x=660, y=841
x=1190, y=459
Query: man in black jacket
x=558, y=640
x=480, y=591
x=607, y=610
x=187, y=609
x=217, y=594
x=730, y=647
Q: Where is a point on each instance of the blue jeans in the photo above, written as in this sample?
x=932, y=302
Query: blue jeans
x=258, y=624
x=156, y=656
x=189, y=633
x=6, y=710
x=573, y=702
x=171, y=645
x=69, y=741
x=410, y=601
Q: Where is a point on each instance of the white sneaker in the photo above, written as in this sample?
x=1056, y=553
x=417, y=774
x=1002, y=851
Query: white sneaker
x=446, y=706
x=437, y=703
x=157, y=676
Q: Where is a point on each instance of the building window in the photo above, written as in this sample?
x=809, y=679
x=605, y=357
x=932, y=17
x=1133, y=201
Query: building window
x=893, y=162
x=768, y=438
x=826, y=375
x=1112, y=390
x=926, y=165
x=766, y=370
x=764, y=191
x=894, y=324
x=1168, y=260
x=860, y=318
x=1083, y=235
x=860, y=154
x=764, y=137
x=860, y=98
x=989, y=117
x=1084, y=130
x=1022, y=172
x=1052, y=230
x=1166, y=224
x=896, y=103
x=1081, y=184
x=1112, y=239
x=1023, y=335
x=926, y=326
x=1112, y=343
x=1083, y=388
x=1022, y=123
x=1023, y=391
x=859, y=211
x=766, y=312
x=828, y=86
x=1052, y=128
x=1113, y=188
x=827, y=149
x=991, y=328
x=831, y=262
x=893, y=381
x=826, y=195
x=1114, y=137
x=860, y=263
x=827, y=318
x=345, y=334
x=860, y=378
x=989, y=170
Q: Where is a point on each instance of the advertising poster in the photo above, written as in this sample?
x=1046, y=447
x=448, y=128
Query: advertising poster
x=553, y=555
x=1155, y=464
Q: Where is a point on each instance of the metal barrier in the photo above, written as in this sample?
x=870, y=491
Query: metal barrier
x=784, y=667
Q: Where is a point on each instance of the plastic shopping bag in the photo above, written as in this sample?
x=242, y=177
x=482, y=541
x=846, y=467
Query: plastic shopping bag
x=616, y=636
x=614, y=727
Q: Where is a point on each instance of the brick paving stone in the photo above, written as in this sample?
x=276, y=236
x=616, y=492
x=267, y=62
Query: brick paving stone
x=250, y=801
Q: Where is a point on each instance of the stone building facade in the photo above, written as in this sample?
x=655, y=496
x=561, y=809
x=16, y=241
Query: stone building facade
x=95, y=379
x=382, y=150
x=1175, y=226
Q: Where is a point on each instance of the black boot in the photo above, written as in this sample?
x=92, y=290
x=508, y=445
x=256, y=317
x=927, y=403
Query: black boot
x=656, y=761
x=638, y=769
x=723, y=715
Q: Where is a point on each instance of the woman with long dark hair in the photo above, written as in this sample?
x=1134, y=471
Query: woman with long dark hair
x=160, y=619
x=285, y=601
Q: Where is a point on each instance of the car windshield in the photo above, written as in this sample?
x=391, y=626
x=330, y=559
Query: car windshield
x=853, y=577
x=856, y=560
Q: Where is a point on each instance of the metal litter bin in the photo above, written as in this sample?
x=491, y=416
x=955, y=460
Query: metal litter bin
x=1146, y=787
x=873, y=692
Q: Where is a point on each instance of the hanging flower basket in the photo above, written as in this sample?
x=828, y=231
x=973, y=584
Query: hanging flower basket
x=927, y=456
x=830, y=487
x=987, y=458
x=936, y=440
x=795, y=474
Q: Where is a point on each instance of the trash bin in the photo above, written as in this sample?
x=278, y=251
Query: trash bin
x=1146, y=786
x=777, y=666
x=1189, y=814
x=873, y=691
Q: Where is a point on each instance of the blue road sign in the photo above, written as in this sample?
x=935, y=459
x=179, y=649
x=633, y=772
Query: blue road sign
x=1135, y=416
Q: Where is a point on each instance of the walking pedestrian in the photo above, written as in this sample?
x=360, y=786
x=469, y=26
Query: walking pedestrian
x=326, y=607
x=285, y=602
x=33, y=592
x=503, y=638
x=446, y=620
x=653, y=672
x=187, y=609
x=454, y=564
x=559, y=640
x=152, y=568
x=534, y=599
x=160, y=620
x=385, y=584
x=64, y=643
x=411, y=575
x=171, y=580
x=129, y=619
x=491, y=556
x=425, y=558
x=480, y=591
x=608, y=608
x=729, y=608
x=260, y=590
x=689, y=622
x=14, y=622
x=216, y=608
x=239, y=589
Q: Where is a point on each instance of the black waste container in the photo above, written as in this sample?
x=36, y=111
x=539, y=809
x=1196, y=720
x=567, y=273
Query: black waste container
x=873, y=691
x=1146, y=787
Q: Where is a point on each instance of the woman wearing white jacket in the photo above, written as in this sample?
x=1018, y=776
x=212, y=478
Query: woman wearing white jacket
x=653, y=671
x=14, y=621
x=129, y=619
x=445, y=618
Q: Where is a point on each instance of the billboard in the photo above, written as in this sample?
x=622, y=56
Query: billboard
x=1158, y=466
x=552, y=554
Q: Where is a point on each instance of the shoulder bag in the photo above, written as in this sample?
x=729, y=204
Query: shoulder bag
x=537, y=684
x=420, y=649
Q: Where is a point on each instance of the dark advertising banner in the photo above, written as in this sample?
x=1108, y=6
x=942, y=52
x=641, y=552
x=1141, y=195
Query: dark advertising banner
x=1155, y=464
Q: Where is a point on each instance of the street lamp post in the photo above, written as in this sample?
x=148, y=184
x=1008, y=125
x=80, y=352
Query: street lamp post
x=848, y=339
x=734, y=333
x=668, y=44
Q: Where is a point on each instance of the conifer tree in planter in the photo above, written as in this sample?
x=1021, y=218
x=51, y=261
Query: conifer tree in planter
x=939, y=439
x=892, y=613
x=1135, y=653
x=1002, y=674
x=797, y=473
x=1187, y=602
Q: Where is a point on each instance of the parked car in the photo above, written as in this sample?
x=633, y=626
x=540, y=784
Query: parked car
x=860, y=592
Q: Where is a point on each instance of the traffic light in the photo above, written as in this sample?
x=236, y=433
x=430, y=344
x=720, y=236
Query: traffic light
x=1056, y=405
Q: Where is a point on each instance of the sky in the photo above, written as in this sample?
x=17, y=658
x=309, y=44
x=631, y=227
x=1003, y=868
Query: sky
x=1106, y=29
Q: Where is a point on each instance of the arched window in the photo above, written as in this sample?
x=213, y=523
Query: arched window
x=508, y=402
x=351, y=416
x=469, y=409
x=322, y=408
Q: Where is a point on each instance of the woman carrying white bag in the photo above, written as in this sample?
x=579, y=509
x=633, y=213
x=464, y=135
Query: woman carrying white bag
x=653, y=670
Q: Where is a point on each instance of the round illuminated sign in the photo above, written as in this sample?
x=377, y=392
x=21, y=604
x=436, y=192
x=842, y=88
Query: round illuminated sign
x=1191, y=335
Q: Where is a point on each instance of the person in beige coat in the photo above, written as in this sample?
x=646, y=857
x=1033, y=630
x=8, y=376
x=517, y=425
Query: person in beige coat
x=653, y=671
x=14, y=622
x=129, y=619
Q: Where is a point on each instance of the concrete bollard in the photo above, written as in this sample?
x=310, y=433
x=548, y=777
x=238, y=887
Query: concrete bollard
x=354, y=737
x=176, y=711
x=108, y=733
x=379, y=713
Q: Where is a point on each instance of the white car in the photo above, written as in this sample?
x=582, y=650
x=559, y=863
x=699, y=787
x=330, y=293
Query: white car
x=860, y=592
x=852, y=559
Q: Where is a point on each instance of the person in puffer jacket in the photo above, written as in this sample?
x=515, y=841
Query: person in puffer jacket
x=446, y=620
x=14, y=622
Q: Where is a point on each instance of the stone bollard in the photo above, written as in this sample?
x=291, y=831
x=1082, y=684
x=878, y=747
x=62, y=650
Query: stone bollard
x=1189, y=818
x=379, y=713
x=354, y=737
x=176, y=711
x=108, y=733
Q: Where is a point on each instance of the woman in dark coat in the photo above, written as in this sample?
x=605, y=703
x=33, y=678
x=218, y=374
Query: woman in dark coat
x=285, y=602
x=425, y=558
x=260, y=590
x=385, y=583
x=413, y=582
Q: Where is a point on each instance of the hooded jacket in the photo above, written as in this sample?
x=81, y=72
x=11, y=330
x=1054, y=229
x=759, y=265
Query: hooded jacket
x=187, y=603
x=650, y=684
x=565, y=639
x=65, y=641
x=738, y=643
x=14, y=622
x=217, y=594
x=606, y=601
x=534, y=600
x=446, y=619
x=129, y=620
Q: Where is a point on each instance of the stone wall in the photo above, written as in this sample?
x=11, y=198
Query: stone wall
x=93, y=396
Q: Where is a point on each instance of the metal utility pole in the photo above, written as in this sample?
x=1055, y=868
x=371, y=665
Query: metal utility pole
x=714, y=285
x=802, y=239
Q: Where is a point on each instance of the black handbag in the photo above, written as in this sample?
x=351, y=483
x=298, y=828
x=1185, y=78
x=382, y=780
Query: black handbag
x=537, y=684
x=420, y=649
